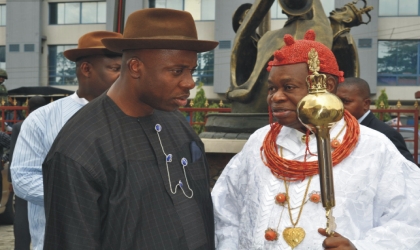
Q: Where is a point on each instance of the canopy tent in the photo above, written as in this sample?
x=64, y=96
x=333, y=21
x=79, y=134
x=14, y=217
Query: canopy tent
x=45, y=91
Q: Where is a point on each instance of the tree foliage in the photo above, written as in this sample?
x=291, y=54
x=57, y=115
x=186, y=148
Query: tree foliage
x=383, y=98
x=199, y=102
x=398, y=57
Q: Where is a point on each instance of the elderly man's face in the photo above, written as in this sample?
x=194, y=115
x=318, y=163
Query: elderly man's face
x=286, y=87
x=166, y=78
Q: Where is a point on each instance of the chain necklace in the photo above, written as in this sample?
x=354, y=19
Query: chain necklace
x=294, y=235
x=184, y=163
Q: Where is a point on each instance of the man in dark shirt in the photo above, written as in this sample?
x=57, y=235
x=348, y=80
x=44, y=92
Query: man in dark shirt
x=127, y=171
x=355, y=94
x=4, y=144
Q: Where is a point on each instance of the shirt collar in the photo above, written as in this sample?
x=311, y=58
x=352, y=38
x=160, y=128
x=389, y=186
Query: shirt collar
x=363, y=117
x=290, y=139
x=79, y=100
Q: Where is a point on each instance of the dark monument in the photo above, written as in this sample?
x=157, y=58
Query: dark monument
x=253, y=49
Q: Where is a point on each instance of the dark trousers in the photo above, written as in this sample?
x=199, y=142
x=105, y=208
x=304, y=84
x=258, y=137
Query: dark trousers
x=21, y=225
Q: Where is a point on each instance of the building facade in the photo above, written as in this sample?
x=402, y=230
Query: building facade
x=34, y=33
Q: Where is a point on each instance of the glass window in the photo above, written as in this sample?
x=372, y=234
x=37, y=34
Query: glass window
x=89, y=12
x=2, y=15
x=71, y=13
x=408, y=7
x=199, y=9
x=398, y=62
x=398, y=7
x=159, y=4
x=205, y=68
x=3, y=57
x=407, y=80
x=388, y=7
x=102, y=12
x=77, y=12
x=61, y=70
x=208, y=9
x=386, y=56
x=387, y=80
x=175, y=4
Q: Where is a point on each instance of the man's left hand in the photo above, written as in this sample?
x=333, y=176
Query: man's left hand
x=336, y=241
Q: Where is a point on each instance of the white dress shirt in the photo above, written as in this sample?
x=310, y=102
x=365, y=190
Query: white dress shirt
x=35, y=139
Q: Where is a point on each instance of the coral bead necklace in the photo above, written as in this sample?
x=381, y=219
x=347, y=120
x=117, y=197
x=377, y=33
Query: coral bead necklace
x=292, y=170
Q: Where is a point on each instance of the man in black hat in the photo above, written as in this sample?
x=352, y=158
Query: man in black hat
x=96, y=68
x=127, y=171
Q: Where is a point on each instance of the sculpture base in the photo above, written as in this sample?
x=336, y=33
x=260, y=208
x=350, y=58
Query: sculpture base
x=237, y=123
x=226, y=134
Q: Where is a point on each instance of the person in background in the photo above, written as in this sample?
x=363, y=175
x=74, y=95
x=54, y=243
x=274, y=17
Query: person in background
x=5, y=100
x=96, y=69
x=3, y=89
x=354, y=92
x=4, y=156
x=128, y=171
x=21, y=224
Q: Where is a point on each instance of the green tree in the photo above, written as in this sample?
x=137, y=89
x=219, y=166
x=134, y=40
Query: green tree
x=383, y=98
x=199, y=102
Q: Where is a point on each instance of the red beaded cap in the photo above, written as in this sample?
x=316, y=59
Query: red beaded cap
x=296, y=51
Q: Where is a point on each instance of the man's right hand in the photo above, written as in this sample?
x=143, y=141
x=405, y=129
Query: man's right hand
x=336, y=241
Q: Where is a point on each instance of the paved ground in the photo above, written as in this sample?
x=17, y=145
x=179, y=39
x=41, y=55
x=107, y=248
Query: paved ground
x=6, y=237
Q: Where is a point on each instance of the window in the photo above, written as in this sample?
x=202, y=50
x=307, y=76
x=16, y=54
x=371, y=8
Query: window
x=199, y=9
x=226, y=44
x=205, y=68
x=77, y=12
x=61, y=71
x=276, y=10
x=3, y=57
x=14, y=47
x=29, y=47
x=398, y=7
x=2, y=15
x=398, y=63
x=365, y=43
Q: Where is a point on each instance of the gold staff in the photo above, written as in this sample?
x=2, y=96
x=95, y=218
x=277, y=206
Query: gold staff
x=319, y=111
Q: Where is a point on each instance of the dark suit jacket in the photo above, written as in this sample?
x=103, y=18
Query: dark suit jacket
x=13, y=139
x=374, y=123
